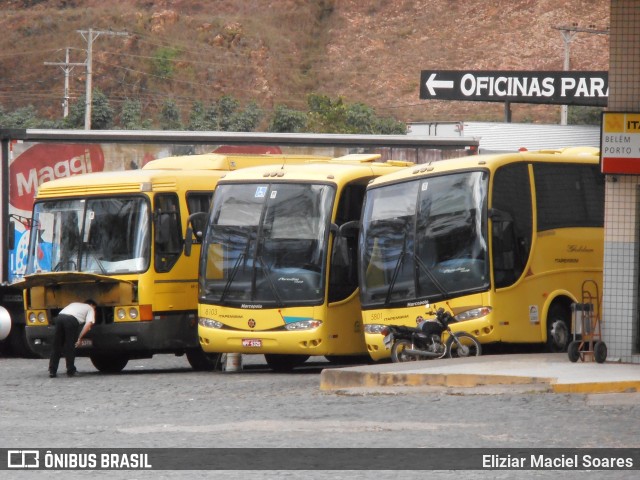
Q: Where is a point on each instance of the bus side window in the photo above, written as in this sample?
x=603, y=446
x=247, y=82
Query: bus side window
x=343, y=278
x=199, y=202
x=513, y=223
x=168, y=234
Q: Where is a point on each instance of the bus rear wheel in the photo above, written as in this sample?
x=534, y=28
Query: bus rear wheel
x=203, y=362
x=109, y=363
x=284, y=363
x=557, y=329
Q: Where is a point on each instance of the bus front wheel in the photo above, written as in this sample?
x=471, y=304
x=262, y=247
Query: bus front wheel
x=203, y=362
x=284, y=363
x=557, y=329
x=109, y=363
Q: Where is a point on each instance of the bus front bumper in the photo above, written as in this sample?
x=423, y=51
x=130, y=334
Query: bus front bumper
x=309, y=342
x=134, y=339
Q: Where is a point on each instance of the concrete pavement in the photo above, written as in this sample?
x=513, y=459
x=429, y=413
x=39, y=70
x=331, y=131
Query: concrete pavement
x=539, y=372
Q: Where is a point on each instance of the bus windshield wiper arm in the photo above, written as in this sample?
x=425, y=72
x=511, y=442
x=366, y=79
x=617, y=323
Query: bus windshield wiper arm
x=394, y=277
x=431, y=276
x=274, y=289
x=234, y=271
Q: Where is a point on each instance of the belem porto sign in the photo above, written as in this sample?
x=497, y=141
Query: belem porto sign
x=620, y=143
x=588, y=88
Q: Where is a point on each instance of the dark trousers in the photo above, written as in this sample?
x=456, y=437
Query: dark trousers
x=67, y=331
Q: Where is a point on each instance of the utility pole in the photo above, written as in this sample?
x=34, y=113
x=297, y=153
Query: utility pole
x=90, y=35
x=66, y=68
x=568, y=32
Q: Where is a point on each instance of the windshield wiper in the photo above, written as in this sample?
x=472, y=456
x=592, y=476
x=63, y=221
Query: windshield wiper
x=431, y=276
x=267, y=275
x=394, y=277
x=232, y=276
x=241, y=257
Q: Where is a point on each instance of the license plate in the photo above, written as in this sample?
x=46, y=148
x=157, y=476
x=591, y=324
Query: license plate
x=251, y=342
x=388, y=340
x=85, y=342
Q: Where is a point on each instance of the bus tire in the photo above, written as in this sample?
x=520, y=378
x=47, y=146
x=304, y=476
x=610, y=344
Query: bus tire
x=558, y=333
x=348, y=359
x=106, y=363
x=284, y=363
x=18, y=342
x=201, y=361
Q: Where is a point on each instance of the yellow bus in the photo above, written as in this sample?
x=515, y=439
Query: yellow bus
x=278, y=272
x=117, y=237
x=507, y=241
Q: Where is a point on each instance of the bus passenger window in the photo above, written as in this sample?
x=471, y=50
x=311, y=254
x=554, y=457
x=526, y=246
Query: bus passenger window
x=511, y=232
x=168, y=234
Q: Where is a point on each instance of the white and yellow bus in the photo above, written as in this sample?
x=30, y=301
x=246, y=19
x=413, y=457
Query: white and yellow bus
x=508, y=241
x=278, y=270
x=117, y=238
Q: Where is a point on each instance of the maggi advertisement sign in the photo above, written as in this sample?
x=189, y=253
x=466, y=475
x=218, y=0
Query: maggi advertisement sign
x=620, y=143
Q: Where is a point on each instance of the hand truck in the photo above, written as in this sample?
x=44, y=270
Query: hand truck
x=587, y=341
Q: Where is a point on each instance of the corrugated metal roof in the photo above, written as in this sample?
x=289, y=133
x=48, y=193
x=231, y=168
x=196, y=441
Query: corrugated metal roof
x=510, y=137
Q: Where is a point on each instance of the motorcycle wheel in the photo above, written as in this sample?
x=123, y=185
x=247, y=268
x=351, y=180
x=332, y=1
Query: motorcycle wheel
x=469, y=346
x=398, y=353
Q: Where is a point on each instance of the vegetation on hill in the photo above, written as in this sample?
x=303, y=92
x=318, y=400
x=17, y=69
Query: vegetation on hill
x=279, y=65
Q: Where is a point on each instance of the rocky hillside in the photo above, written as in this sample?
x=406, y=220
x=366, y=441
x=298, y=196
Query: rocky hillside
x=277, y=51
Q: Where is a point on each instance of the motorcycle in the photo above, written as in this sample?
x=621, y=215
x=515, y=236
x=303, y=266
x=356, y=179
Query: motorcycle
x=425, y=341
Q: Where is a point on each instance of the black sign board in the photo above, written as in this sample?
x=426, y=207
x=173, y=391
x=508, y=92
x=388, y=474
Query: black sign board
x=562, y=88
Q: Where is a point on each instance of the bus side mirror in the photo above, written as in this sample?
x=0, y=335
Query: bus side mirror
x=349, y=228
x=195, y=220
x=188, y=241
x=333, y=228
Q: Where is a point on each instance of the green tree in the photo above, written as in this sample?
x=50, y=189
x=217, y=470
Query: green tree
x=326, y=115
x=335, y=116
x=287, y=120
x=248, y=119
x=212, y=116
x=170, y=116
x=101, y=113
x=24, y=117
x=582, y=115
x=227, y=107
x=131, y=116
x=389, y=126
x=163, y=62
x=360, y=118
x=197, y=120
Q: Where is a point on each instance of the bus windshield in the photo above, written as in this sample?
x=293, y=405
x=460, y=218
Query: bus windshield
x=266, y=244
x=101, y=235
x=424, y=240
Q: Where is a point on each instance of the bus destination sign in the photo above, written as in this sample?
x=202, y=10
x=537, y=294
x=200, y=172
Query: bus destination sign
x=589, y=88
x=620, y=143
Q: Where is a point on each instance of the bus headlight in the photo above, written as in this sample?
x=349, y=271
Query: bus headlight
x=121, y=314
x=207, y=322
x=42, y=317
x=473, y=314
x=373, y=328
x=32, y=317
x=133, y=313
x=303, y=325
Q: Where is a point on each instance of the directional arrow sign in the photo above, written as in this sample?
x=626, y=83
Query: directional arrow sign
x=562, y=88
x=432, y=84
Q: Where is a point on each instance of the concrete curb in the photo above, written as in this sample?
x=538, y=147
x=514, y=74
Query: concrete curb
x=553, y=371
